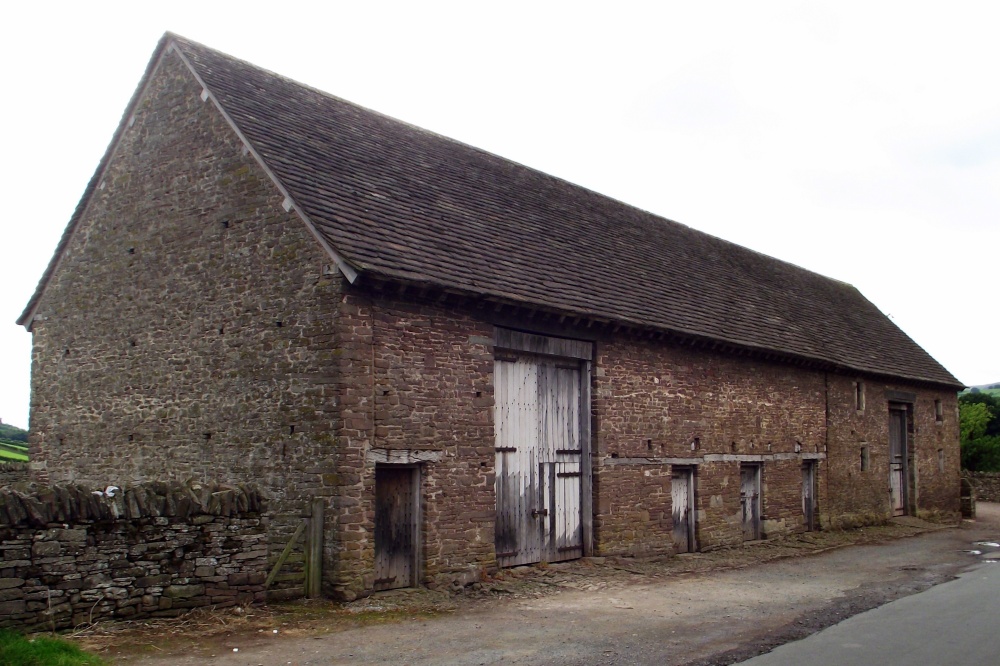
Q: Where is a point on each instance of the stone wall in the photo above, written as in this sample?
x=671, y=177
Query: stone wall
x=862, y=495
x=657, y=404
x=986, y=484
x=13, y=472
x=71, y=556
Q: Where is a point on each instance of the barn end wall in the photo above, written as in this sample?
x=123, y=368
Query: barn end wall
x=187, y=330
x=862, y=495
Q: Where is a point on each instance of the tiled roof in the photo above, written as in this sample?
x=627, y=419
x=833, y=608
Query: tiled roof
x=403, y=203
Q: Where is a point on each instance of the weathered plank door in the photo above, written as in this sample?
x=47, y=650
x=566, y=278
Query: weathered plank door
x=682, y=500
x=897, y=460
x=750, y=501
x=809, y=494
x=396, y=526
x=538, y=460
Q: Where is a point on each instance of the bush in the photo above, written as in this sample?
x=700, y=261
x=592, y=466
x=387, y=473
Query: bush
x=981, y=454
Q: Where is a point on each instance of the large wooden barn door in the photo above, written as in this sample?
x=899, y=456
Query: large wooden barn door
x=396, y=526
x=897, y=460
x=538, y=460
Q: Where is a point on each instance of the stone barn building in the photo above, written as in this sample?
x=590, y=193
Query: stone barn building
x=472, y=363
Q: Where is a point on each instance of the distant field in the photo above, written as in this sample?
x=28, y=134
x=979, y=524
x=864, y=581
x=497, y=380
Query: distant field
x=13, y=451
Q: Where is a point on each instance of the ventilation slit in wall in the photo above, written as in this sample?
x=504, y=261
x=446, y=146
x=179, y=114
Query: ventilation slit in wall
x=208, y=436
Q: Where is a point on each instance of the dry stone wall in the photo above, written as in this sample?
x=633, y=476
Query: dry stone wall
x=13, y=472
x=986, y=484
x=71, y=556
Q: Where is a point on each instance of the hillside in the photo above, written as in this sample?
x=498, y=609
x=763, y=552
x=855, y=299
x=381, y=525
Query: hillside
x=13, y=443
x=992, y=389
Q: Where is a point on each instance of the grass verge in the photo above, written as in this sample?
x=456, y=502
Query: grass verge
x=18, y=650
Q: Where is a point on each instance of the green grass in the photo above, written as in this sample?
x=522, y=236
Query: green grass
x=10, y=456
x=18, y=650
x=13, y=451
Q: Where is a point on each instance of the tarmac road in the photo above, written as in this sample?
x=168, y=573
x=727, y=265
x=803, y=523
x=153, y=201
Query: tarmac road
x=952, y=623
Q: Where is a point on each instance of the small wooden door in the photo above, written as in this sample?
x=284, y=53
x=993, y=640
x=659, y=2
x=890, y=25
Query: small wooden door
x=396, y=526
x=809, y=494
x=682, y=499
x=897, y=460
x=750, y=501
x=538, y=460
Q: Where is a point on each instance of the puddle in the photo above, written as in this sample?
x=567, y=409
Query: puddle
x=988, y=544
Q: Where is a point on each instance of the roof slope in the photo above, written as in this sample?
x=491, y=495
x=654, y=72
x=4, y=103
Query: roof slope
x=404, y=203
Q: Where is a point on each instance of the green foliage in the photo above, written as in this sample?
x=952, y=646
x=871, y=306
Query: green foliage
x=18, y=650
x=979, y=421
x=991, y=402
x=13, y=433
x=973, y=419
x=981, y=455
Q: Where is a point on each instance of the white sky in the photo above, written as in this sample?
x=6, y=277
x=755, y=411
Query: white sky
x=860, y=140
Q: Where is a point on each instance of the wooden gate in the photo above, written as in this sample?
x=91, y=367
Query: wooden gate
x=538, y=460
x=682, y=500
x=396, y=526
x=750, y=501
x=809, y=494
x=897, y=459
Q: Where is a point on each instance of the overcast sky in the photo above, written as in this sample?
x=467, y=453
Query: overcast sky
x=858, y=140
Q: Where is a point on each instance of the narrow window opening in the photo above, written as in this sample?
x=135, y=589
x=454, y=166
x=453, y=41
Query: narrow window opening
x=696, y=444
x=938, y=411
x=941, y=460
x=732, y=447
x=291, y=430
x=864, y=458
x=859, y=396
x=649, y=445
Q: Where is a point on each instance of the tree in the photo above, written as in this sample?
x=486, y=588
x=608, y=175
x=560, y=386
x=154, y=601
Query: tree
x=980, y=429
x=991, y=402
x=973, y=418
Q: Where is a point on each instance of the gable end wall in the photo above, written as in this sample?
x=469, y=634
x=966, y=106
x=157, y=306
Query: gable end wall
x=157, y=349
